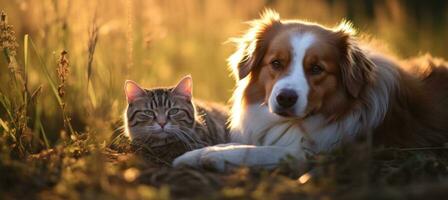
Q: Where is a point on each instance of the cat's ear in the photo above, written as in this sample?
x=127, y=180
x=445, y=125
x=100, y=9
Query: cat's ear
x=184, y=88
x=133, y=91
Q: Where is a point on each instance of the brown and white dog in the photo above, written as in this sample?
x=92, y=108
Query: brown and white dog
x=302, y=87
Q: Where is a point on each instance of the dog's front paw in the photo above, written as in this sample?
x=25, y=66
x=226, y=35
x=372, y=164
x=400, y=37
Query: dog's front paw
x=208, y=158
x=214, y=159
x=191, y=158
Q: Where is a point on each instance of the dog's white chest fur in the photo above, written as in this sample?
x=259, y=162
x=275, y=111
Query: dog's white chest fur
x=260, y=127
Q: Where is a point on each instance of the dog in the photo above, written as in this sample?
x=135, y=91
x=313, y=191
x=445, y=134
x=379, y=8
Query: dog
x=303, y=88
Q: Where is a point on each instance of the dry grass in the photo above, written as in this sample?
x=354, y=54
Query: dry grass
x=61, y=135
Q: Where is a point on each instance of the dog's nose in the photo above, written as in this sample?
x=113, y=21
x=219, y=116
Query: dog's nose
x=287, y=98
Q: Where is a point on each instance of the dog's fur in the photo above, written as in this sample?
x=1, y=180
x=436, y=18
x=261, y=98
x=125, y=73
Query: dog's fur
x=345, y=89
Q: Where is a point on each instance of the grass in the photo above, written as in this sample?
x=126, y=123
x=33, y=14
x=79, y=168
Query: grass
x=61, y=100
x=83, y=169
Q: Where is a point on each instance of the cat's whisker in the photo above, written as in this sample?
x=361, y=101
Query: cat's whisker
x=189, y=136
x=181, y=138
x=152, y=128
x=190, y=147
x=175, y=130
x=197, y=141
x=119, y=129
x=185, y=141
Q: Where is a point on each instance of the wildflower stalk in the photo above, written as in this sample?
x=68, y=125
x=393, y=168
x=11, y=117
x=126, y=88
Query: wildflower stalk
x=62, y=72
x=93, y=39
x=8, y=44
x=18, y=102
x=54, y=87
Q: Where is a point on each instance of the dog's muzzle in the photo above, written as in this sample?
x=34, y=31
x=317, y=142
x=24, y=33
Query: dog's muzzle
x=286, y=99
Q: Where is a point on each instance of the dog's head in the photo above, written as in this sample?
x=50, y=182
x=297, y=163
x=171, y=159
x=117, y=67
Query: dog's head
x=299, y=68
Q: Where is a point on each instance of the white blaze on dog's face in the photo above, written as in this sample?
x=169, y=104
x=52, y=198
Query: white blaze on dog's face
x=289, y=95
x=300, y=72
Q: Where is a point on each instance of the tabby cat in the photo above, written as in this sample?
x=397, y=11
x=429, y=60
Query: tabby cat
x=161, y=117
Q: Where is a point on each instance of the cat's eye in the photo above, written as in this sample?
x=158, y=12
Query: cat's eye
x=149, y=113
x=173, y=111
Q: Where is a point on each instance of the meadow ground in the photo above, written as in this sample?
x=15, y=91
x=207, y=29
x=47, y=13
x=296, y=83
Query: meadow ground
x=62, y=69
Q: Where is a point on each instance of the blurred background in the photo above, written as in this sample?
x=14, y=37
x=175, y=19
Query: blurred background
x=156, y=42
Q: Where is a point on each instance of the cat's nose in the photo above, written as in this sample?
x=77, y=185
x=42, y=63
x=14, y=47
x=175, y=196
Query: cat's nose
x=162, y=123
x=161, y=120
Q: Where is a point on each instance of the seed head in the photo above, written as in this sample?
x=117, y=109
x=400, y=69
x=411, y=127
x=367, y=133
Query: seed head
x=62, y=72
x=7, y=37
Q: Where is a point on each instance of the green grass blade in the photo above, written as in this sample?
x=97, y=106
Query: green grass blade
x=25, y=50
x=4, y=125
x=25, y=72
x=44, y=68
x=44, y=135
x=7, y=106
x=38, y=123
x=52, y=83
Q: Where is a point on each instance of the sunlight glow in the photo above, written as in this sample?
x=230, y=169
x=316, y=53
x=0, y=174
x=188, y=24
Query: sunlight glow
x=238, y=103
x=346, y=27
x=304, y=178
x=131, y=174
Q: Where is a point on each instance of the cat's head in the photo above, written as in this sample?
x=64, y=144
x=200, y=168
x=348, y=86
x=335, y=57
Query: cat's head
x=160, y=114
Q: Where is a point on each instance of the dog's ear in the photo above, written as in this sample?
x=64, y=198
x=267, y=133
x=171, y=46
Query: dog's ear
x=356, y=67
x=252, y=46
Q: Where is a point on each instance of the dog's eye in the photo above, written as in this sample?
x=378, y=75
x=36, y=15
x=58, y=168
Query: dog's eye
x=316, y=69
x=276, y=65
